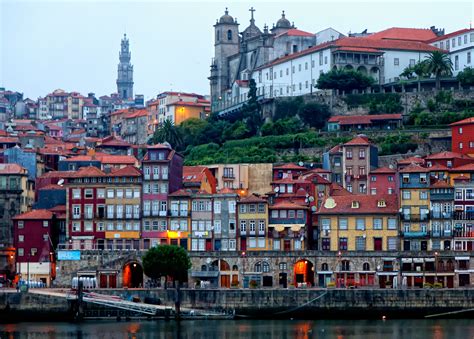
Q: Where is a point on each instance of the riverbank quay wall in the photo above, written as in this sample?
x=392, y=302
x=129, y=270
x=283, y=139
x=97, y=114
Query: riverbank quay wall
x=223, y=269
x=265, y=303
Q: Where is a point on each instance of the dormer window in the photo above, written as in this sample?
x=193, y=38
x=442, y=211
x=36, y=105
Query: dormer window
x=381, y=203
x=406, y=178
x=355, y=204
x=423, y=178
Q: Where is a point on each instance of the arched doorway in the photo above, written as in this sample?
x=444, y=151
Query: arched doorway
x=304, y=272
x=362, y=69
x=132, y=275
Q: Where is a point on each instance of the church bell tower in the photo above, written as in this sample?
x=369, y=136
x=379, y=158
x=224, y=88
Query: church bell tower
x=125, y=71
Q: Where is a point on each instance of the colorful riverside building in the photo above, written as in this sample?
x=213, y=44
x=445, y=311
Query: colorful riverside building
x=441, y=215
x=414, y=207
x=253, y=224
x=464, y=213
x=179, y=218
x=103, y=209
x=162, y=174
x=225, y=220
x=36, y=237
x=462, y=140
x=358, y=223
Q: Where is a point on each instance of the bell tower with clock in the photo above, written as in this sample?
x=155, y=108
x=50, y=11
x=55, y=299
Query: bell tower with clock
x=125, y=71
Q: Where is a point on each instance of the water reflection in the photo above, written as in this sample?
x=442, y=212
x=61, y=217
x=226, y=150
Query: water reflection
x=261, y=329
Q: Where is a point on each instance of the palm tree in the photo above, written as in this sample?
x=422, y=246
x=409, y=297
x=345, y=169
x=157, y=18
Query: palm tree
x=420, y=69
x=169, y=133
x=438, y=64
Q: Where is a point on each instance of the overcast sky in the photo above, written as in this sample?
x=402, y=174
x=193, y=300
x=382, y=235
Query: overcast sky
x=74, y=45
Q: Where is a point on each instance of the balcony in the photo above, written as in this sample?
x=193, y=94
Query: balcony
x=228, y=176
x=441, y=215
x=441, y=233
x=441, y=196
x=415, y=217
x=415, y=234
x=464, y=215
x=460, y=233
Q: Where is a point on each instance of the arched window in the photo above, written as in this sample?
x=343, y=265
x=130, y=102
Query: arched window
x=324, y=267
x=229, y=34
x=366, y=266
x=235, y=268
x=258, y=267
x=218, y=35
x=345, y=265
x=265, y=267
x=224, y=265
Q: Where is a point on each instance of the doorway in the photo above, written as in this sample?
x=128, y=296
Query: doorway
x=132, y=275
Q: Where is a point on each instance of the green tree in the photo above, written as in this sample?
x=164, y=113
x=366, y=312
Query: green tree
x=344, y=80
x=168, y=133
x=466, y=77
x=420, y=69
x=192, y=131
x=168, y=261
x=251, y=111
x=314, y=114
x=287, y=108
x=439, y=64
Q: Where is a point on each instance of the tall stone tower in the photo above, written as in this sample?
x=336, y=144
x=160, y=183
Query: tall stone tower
x=226, y=43
x=125, y=71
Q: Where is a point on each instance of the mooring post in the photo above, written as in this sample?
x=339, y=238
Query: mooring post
x=177, y=304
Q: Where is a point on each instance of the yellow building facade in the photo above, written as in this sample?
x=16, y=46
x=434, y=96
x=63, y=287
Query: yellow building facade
x=253, y=224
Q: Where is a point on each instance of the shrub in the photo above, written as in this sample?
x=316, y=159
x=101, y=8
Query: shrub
x=437, y=285
x=427, y=285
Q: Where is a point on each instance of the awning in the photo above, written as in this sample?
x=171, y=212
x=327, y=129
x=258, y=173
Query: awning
x=429, y=259
x=418, y=260
x=281, y=227
x=295, y=228
x=462, y=258
x=389, y=259
x=407, y=260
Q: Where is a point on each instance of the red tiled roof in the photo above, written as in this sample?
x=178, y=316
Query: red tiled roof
x=296, y=32
x=368, y=204
x=252, y=199
x=446, y=155
x=335, y=149
x=338, y=190
x=90, y=171
x=438, y=167
x=127, y=171
x=385, y=44
x=359, y=49
x=414, y=168
x=462, y=177
x=105, y=158
x=463, y=168
x=363, y=119
x=34, y=215
x=12, y=169
x=467, y=121
x=359, y=140
x=449, y=35
x=288, y=205
x=441, y=184
x=383, y=170
x=289, y=167
x=159, y=146
x=181, y=193
x=411, y=160
x=113, y=142
x=226, y=190
x=193, y=173
x=9, y=140
x=402, y=33
x=137, y=114
x=58, y=174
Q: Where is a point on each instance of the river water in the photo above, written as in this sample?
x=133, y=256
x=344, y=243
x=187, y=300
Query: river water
x=228, y=329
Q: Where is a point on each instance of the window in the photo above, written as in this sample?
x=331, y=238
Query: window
x=243, y=226
x=119, y=211
x=76, y=193
x=110, y=211
x=283, y=214
x=261, y=208
x=453, y=42
x=392, y=224
x=360, y=243
x=406, y=195
x=343, y=244
x=456, y=62
x=378, y=224
x=361, y=170
x=21, y=252
x=217, y=207
x=423, y=195
x=88, y=226
x=88, y=211
x=360, y=224
x=373, y=178
x=119, y=193
x=349, y=153
x=229, y=34
x=325, y=244
x=274, y=214
x=396, y=61
x=392, y=243
x=459, y=41
x=390, y=178
x=261, y=226
x=373, y=191
x=88, y=193
x=326, y=224
x=343, y=223
x=291, y=214
x=128, y=193
x=76, y=226
x=468, y=57
x=110, y=193
x=21, y=224
x=21, y=238
x=300, y=214
x=412, y=62
x=460, y=130
x=362, y=153
x=100, y=193
x=423, y=178
x=406, y=178
x=460, y=145
x=76, y=211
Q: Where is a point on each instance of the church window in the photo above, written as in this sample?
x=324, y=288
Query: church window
x=218, y=35
x=229, y=35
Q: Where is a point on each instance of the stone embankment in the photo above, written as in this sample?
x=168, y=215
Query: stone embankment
x=265, y=303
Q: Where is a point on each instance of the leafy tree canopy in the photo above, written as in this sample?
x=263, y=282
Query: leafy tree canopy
x=466, y=77
x=344, y=80
x=168, y=261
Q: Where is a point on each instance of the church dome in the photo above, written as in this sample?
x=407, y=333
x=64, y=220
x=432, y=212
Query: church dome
x=251, y=31
x=226, y=18
x=283, y=22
